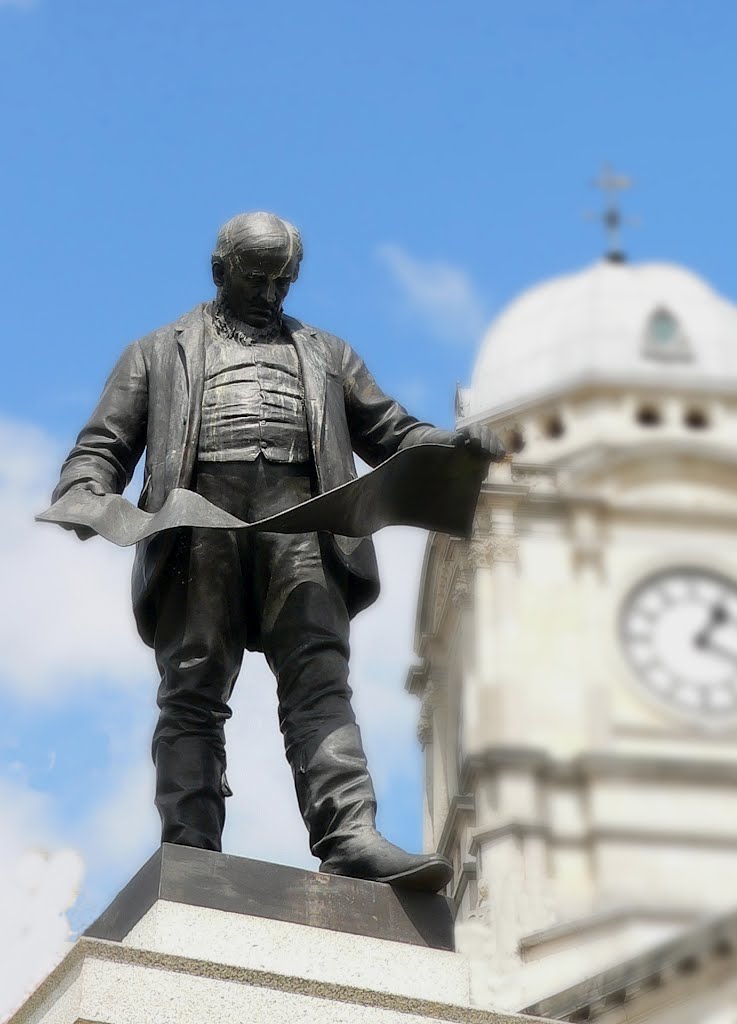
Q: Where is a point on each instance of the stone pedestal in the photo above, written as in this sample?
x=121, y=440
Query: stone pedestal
x=203, y=937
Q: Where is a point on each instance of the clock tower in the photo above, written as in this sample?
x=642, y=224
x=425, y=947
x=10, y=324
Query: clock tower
x=577, y=659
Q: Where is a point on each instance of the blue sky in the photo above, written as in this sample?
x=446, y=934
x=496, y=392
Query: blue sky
x=464, y=133
x=438, y=159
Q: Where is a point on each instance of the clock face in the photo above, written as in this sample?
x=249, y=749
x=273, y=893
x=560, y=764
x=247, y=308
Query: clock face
x=679, y=633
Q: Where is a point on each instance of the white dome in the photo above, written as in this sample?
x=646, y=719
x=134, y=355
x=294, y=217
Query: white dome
x=648, y=323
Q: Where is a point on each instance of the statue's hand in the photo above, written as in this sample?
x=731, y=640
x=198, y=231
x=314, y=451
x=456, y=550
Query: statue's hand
x=481, y=440
x=84, y=532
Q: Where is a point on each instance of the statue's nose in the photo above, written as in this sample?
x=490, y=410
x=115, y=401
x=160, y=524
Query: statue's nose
x=271, y=290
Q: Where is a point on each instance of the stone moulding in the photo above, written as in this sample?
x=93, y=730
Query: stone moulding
x=98, y=953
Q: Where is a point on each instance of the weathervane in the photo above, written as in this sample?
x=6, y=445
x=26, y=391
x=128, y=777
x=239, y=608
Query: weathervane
x=611, y=183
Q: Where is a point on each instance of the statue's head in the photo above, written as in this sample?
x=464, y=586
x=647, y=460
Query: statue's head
x=255, y=260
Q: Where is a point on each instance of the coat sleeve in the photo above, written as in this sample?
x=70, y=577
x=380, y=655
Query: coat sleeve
x=110, y=444
x=379, y=426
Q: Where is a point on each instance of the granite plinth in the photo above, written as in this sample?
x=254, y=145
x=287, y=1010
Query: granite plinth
x=108, y=983
x=201, y=936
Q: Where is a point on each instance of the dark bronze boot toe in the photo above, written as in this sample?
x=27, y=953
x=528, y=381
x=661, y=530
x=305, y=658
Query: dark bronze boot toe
x=371, y=856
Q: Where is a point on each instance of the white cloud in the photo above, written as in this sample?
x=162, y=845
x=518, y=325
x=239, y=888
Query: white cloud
x=382, y=653
x=263, y=818
x=39, y=881
x=442, y=296
x=66, y=619
x=123, y=831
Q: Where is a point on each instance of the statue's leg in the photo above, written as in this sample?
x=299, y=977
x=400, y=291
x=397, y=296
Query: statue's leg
x=199, y=645
x=307, y=649
x=305, y=636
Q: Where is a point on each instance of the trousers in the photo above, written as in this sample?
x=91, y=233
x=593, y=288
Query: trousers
x=234, y=591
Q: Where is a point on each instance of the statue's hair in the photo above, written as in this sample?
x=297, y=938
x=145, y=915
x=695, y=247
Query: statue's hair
x=258, y=231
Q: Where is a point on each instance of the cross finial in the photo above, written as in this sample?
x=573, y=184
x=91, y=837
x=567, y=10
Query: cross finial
x=611, y=183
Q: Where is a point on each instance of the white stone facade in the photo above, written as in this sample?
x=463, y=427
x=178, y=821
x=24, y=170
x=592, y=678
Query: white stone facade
x=590, y=816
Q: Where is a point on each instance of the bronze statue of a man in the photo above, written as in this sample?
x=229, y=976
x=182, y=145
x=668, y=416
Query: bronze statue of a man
x=257, y=412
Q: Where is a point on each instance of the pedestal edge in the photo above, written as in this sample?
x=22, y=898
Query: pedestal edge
x=100, y=949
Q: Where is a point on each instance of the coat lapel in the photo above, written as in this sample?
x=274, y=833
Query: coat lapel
x=188, y=386
x=314, y=379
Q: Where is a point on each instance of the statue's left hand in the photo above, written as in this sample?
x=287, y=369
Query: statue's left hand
x=84, y=532
x=481, y=440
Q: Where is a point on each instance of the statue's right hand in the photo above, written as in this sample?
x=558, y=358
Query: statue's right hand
x=84, y=532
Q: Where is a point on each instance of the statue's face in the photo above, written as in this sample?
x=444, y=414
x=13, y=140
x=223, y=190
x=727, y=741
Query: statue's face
x=252, y=293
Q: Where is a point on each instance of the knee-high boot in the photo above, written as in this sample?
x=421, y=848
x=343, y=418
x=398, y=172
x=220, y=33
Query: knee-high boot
x=338, y=804
x=190, y=792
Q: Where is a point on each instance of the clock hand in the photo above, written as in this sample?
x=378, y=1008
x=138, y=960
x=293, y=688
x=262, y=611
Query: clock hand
x=723, y=652
x=719, y=615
